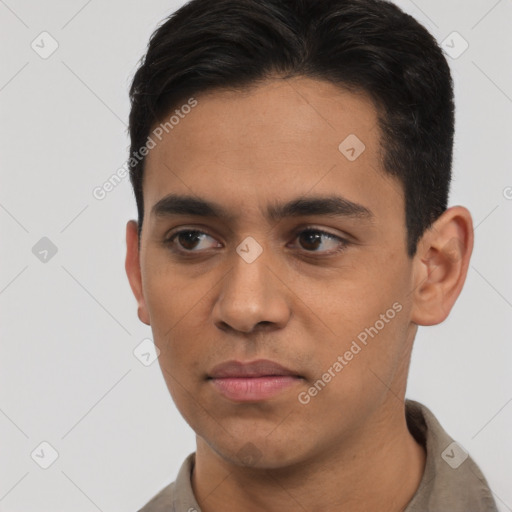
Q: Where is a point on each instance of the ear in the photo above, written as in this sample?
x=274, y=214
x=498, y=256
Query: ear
x=440, y=266
x=132, y=266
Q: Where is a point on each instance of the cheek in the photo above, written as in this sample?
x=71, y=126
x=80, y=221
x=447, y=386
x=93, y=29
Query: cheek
x=356, y=373
x=351, y=302
x=183, y=349
x=168, y=293
x=367, y=318
x=171, y=305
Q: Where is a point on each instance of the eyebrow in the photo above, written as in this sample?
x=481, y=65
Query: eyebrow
x=333, y=205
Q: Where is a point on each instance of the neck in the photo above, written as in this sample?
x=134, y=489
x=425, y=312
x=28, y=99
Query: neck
x=378, y=468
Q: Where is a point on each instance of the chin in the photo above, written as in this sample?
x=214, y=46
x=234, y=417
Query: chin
x=259, y=452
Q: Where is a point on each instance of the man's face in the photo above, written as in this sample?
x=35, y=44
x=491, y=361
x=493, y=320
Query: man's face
x=321, y=282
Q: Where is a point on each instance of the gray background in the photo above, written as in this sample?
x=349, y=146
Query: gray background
x=68, y=374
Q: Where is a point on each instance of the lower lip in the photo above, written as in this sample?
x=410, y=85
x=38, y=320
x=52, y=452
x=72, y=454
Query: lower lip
x=244, y=389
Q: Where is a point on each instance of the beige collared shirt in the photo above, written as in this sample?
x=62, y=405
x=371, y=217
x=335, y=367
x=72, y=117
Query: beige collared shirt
x=452, y=482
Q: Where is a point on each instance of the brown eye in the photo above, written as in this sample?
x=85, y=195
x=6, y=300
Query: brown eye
x=191, y=241
x=314, y=239
x=310, y=240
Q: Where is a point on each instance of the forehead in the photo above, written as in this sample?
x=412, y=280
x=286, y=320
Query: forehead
x=278, y=140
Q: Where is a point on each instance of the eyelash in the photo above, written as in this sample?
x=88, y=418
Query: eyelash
x=343, y=243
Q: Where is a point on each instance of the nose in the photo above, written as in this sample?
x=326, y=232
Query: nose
x=252, y=297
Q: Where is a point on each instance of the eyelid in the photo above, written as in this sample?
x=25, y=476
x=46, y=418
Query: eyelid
x=296, y=232
x=344, y=241
x=311, y=227
x=184, y=228
x=169, y=238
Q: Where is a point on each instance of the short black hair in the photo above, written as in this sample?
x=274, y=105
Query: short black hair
x=368, y=46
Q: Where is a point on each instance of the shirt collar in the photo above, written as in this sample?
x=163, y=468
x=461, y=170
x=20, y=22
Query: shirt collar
x=451, y=479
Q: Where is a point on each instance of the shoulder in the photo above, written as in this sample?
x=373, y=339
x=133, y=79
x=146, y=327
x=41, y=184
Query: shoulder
x=161, y=502
x=178, y=495
x=452, y=481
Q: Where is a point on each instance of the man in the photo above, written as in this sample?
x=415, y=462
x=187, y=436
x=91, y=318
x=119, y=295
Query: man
x=291, y=163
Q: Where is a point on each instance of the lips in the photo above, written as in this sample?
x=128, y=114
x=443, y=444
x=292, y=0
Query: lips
x=259, y=368
x=252, y=382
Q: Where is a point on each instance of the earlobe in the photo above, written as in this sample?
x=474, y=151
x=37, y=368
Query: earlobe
x=143, y=317
x=441, y=265
x=133, y=270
